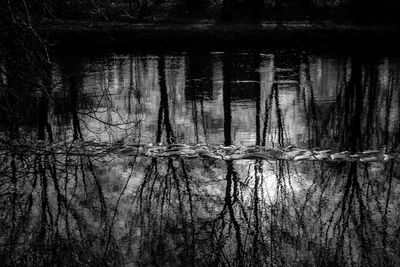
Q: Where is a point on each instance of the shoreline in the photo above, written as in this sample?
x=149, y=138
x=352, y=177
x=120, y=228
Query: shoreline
x=324, y=36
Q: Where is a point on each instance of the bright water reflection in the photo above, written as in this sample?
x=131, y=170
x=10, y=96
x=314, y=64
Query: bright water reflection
x=75, y=190
x=277, y=99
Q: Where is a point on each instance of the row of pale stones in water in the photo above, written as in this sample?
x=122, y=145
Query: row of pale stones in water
x=260, y=153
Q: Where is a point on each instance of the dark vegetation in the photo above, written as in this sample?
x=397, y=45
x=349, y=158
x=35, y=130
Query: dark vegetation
x=205, y=24
x=207, y=10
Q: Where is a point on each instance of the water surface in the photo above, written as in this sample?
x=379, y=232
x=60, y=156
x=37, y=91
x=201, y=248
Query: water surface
x=77, y=189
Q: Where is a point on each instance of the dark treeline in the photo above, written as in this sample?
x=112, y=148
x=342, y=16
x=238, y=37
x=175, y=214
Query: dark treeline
x=204, y=10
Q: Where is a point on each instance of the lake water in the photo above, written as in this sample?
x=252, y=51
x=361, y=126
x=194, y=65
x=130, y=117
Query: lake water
x=79, y=185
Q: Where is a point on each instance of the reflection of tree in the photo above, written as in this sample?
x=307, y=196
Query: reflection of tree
x=267, y=116
x=258, y=169
x=230, y=172
x=53, y=209
x=134, y=86
x=313, y=134
x=361, y=117
x=351, y=131
x=25, y=80
x=165, y=214
x=163, y=113
x=71, y=80
x=272, y=107
x=74, y=106
x=198, y=88
x=165, y=209
x=279, y=118
x=227, y=75
x=273, y=130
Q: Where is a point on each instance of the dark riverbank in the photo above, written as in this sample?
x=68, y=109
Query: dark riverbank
x=316, y=36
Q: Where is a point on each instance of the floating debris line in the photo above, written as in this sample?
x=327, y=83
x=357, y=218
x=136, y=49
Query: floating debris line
x=221, y=152
x=261, y=153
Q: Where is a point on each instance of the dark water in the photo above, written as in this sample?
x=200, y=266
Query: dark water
x=75, y=189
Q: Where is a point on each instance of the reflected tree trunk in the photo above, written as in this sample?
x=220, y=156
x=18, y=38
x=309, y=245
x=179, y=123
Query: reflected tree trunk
x=371, y=82
x=230, y=199
x=43, y=109
x=43, y=123
x=257, y=77
x=352, y=100
x=131, y=88
x=163, y=114
x=267, y=116
x=313, y=130
x=258, y=163
x=74, y=106
x=397, y=135
x=227, y=88
x=388, y=109
x=281, y=141
x=72, y=81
